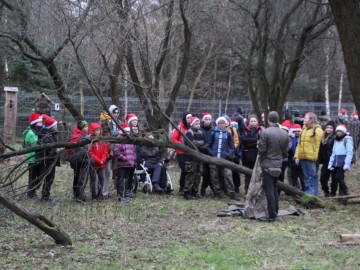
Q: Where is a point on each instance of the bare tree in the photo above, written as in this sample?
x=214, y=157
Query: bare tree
x=347, y=19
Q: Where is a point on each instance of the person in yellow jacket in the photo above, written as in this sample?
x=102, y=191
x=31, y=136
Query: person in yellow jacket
x=307, y=151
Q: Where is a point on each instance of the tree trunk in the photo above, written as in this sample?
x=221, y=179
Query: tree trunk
x=47, y=226
x=347, y=19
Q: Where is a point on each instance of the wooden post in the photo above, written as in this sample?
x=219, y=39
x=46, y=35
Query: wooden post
x=10, y=114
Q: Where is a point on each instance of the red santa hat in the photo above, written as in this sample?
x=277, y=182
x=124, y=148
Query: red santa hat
x=35, y=118
x=263, y=117
x=295, y=127
x=193, y=119
x=131, y=116
x=221, y=118
x=49, y=122
x=343, y=111
x=354, y=114
x=125, y=126
x=341, y=128
x=206, y=115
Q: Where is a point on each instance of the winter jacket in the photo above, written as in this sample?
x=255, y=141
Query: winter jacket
x=30, y=139
x=149, y=153
x=309, y=143
x=221, y=144
x=176, y=137
x=341, y=154
x=273, y=145
x=295, y=141
x=207, y=132
x=197, y=138
x=98, y=150
x=249, y=139
x=125, y=155
x=49, y=136
x=325, y=150
x=76, y=136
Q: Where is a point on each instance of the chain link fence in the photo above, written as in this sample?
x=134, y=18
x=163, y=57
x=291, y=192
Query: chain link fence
x=92, y=108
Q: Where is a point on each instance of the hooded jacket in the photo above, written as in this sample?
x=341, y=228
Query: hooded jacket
x=325, y=150
x=76, y=136
x=98, y=150
x=125, y=154
x=309, y=143
x=176, y=137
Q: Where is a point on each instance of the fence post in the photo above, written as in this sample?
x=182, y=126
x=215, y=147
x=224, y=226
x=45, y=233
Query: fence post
x=10, y=114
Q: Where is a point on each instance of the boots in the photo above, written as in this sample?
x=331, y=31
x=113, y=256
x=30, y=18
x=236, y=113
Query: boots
x=188, y=196
x=157, y=188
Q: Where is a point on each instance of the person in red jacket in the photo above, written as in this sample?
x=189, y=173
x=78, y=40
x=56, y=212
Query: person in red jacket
x=79, y=160
x=99, y=153
x=176, y=137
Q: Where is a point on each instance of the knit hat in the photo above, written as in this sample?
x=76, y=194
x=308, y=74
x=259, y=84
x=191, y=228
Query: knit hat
x=234, y=124
x=331, y=123
x=206, y=115
x=49, y=122
x=221, y=118
x=81, y=124
x=131, y=116
x=125, y=126
x=343, y=111
x=193, y=119
x=113, y=108
x=354, y=115
x=35, y=118
x=285, y=128
x=341, y=128
x=295, y=127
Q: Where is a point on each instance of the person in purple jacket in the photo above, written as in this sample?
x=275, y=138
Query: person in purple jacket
x=126, y=157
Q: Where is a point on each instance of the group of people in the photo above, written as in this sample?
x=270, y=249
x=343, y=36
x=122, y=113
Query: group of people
x=95, y=161
x=298, y=147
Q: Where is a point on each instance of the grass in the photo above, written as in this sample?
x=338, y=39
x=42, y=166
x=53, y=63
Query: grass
x=167, y=232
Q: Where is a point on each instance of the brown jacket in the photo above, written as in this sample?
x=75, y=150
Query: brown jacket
x=273, y=145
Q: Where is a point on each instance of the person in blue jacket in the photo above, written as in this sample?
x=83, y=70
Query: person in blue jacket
x=340, y=160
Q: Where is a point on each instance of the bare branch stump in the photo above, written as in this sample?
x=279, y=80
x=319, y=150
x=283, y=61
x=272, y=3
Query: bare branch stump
x=44, y=224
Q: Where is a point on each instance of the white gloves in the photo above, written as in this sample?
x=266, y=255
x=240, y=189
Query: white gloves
x=346, y=168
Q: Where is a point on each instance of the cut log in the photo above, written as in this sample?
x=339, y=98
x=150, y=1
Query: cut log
x=44, y=224
x=352, y=238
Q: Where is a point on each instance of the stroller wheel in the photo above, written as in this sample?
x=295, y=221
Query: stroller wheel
x=168, y=189
x=146, y=188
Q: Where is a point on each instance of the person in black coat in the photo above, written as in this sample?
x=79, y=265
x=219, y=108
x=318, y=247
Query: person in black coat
x=249, y=139
x=207, y=130
x=325, y=151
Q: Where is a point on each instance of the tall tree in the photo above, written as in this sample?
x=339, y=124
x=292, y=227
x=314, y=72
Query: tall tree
x=347, y=19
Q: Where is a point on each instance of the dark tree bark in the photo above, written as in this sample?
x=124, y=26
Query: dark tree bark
x=47, y=226
x=347, y=19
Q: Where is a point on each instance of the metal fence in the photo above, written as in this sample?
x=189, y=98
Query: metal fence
x=92, y=108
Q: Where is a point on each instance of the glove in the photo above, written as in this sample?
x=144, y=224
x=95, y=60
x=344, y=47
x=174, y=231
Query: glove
x=331, y=168
x=346, y=168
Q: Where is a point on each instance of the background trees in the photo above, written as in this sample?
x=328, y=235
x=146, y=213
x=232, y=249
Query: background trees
x=158, y=51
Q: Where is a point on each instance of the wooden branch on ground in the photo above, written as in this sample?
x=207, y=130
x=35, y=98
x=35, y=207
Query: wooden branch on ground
x=44, y=224
x=301, y=197
x=346, y=240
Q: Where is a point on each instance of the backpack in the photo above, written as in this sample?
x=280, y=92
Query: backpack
x=353, y=160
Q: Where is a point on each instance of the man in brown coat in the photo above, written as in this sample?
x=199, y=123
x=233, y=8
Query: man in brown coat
x=273, y=145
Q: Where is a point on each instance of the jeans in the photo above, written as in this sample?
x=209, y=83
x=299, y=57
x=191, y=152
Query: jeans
x=311, y=177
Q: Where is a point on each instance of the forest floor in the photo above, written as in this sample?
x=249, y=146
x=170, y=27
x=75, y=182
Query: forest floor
x=168, y=232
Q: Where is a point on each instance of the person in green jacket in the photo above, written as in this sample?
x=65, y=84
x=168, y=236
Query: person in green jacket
x=31, y=138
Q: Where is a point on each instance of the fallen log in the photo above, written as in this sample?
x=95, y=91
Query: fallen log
x=44, y=224
x=308, y=201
